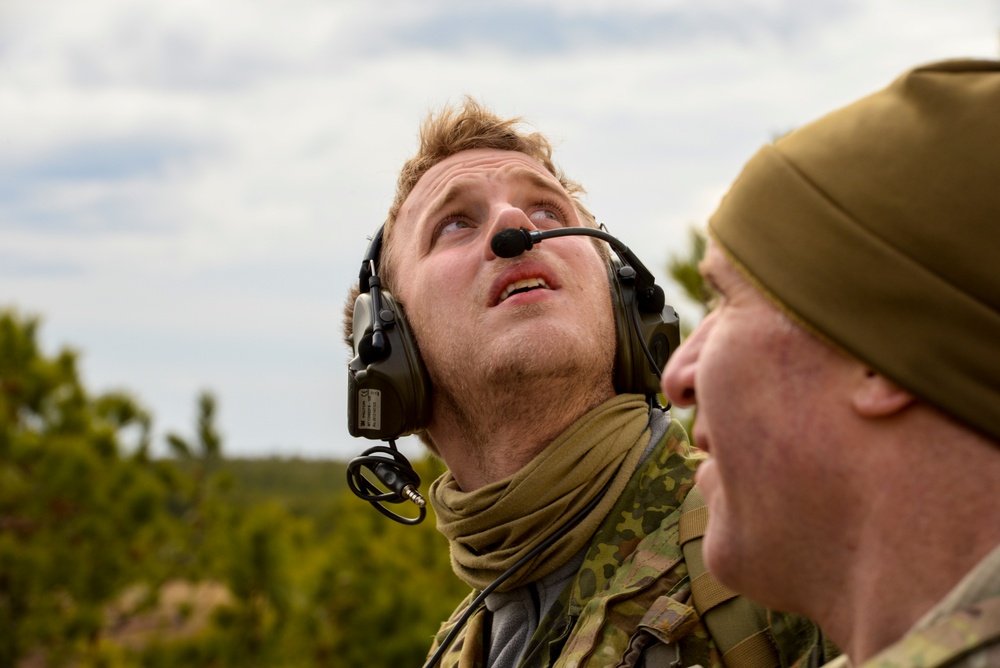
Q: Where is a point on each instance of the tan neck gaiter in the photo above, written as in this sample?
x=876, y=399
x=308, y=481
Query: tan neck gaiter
x=491, y=528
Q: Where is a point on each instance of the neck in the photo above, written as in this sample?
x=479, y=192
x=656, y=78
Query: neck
x=489, y=432
x=924, y=529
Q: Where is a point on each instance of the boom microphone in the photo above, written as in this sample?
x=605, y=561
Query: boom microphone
x=513, y=242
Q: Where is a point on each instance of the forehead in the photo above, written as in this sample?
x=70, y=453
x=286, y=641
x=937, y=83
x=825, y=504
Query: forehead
x=458, y=174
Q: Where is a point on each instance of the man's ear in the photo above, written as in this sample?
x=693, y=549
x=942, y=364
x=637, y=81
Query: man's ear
x=877, y=396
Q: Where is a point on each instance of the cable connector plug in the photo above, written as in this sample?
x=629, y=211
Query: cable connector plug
x=400, y=480
x=393, y=471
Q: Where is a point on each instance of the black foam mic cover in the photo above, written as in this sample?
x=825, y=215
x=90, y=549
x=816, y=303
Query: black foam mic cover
x=511, y=242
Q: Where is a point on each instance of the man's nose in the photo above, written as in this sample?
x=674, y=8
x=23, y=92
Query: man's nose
x=509, y=217
x=678, y=379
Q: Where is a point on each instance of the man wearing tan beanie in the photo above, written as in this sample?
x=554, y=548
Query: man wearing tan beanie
x=848, y=381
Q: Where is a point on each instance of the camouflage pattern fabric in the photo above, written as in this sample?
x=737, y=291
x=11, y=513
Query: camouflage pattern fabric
x=629, y=605
x=632, y=562
x=632, y=593
x=633, y=585
x=967, y=638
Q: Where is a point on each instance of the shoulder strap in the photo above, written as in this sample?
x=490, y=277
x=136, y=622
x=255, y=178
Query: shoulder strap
x=739, y=627
x=946, y=640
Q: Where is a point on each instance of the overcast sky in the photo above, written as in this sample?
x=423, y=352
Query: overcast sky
x=186, y=187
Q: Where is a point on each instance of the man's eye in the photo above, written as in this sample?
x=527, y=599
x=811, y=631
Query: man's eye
x=453, y=226
x=544, y=216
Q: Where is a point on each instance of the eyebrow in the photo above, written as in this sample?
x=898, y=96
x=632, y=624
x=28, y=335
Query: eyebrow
x=540, y=181
x=456, y=189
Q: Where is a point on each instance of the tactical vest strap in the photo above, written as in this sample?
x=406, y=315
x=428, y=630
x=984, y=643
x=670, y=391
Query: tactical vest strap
x=693, y=523
x=739, y=627
x=708, y=592
x=757, y=651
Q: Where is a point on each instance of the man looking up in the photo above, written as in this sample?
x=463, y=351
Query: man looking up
x=521, y=355
x=848, y=381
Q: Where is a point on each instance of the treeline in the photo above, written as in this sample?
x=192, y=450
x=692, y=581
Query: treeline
x=110, y=557
x=303, y=486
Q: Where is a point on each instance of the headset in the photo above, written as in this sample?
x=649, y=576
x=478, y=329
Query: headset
x=389, y=390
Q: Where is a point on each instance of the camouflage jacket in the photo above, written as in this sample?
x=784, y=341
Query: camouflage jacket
x=629, y=604
x=962, y=635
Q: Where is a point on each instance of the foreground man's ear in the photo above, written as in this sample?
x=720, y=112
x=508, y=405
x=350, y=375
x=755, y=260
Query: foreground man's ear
x=876, y=396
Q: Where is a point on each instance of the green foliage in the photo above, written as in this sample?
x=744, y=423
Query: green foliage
x=111, y=558
x=75, y=512
x=299, y=484
x=367, y=576
x=684, y=270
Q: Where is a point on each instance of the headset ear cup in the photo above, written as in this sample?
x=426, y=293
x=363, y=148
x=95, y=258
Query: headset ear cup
x=659, y=331
x=388, y=390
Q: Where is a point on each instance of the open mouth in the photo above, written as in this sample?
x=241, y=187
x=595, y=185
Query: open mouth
x=523, y=285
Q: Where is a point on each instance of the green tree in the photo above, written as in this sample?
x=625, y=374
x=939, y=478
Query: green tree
x=683, y=269
x=207, y=447
x=380, y=589
x=200, y=500
x=95, y=531
x=78, y=508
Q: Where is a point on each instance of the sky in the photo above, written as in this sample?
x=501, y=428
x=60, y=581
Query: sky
x=187, y=187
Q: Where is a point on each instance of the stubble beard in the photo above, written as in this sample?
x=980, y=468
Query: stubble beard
x=503, y=380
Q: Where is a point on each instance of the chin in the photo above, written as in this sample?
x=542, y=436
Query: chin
x=554, y=342
x=518, y=364
x=567, y=369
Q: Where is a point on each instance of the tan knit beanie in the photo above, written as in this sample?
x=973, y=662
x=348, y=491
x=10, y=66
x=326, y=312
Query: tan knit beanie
x=878, y=226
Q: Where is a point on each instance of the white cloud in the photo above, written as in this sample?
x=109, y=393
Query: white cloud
x=264, y=139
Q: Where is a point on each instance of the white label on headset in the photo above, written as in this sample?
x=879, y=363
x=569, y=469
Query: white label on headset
x=370, y=409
